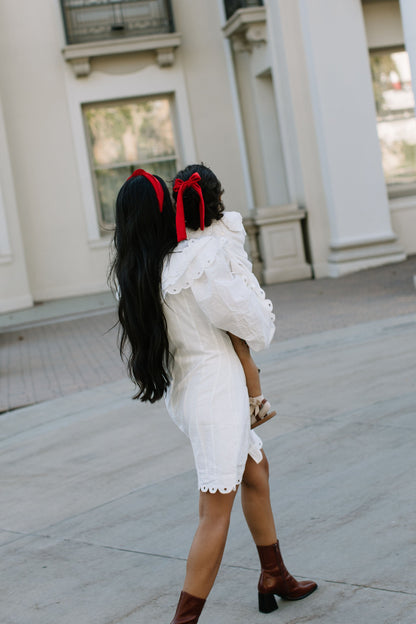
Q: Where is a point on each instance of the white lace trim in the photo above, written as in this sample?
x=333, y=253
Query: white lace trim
x=254, y=451
x=254, y=285
x=193, y=256
x=188, y=262
x=218, y=488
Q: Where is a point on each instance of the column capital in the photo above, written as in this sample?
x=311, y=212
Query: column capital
x=247, y=28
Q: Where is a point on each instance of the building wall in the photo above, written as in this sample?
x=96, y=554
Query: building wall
x=14, y=285
x=32, y=83
x=66, y=253
x=246, y=115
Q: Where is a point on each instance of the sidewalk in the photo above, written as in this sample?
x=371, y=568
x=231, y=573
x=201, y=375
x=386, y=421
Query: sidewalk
x=68, y=346
x=98, y=502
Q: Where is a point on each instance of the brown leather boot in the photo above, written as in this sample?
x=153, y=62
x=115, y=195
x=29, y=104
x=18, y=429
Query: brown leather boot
x=188, y=610
x=275, y=579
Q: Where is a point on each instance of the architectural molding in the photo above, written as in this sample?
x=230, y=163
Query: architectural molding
x=363, y=254
x=281, y=243
x=252, y=231
x=79, y=55
x=11, y=304
x=146, y=82
x=247, y=28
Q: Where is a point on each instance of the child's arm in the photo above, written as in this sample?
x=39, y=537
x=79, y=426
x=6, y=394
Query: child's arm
x=250, y=369
x=260, y=409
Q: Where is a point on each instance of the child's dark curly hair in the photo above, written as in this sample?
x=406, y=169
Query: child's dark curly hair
x=211, y=191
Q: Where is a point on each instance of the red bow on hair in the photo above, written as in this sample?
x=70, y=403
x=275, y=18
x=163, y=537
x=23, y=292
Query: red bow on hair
x=180, y=186
x=154, y=182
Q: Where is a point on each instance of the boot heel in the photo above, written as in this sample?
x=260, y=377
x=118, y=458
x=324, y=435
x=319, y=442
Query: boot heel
x=267, y=603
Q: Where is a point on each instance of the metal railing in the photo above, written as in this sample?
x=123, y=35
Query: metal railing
x=98, y=20
x=231, y=6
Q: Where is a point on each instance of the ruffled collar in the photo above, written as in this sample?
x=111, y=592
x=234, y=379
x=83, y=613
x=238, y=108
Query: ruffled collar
x=230, y=221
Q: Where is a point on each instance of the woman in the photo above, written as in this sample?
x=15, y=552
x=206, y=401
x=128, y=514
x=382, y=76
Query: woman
x=178, y=298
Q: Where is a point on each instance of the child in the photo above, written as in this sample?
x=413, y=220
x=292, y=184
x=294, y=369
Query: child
x=227, y=225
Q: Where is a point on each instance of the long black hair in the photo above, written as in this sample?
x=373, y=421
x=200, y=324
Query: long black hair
x=143, y=237
x=211, y=191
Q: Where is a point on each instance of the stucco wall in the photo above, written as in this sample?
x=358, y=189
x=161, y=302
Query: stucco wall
x=66, y=255
x=14, y=285
x=51, y=245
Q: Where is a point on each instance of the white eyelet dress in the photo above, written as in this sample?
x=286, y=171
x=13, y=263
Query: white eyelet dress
x=208, y=289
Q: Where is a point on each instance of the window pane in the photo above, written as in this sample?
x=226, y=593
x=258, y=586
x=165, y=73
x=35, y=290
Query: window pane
x=165, y=169
x=109, y=181
x=131, y=132
x=396, y=121
x=125, y=136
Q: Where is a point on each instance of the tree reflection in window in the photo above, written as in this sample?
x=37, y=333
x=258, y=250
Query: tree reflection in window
x=396, y=121
x=124, y=136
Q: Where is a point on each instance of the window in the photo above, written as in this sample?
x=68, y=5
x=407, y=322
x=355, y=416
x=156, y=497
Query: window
x=231, y=6
x=124, y=136
x=98, y=20
x=396, y=121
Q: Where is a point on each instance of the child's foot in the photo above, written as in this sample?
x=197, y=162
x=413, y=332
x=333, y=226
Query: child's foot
x=260, y=411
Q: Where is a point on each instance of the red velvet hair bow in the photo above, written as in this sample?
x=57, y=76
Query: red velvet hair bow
x=154, y=182
x=179, y=187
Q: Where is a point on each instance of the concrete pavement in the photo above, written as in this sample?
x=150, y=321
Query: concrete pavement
x=61, y=347
x=98, y=501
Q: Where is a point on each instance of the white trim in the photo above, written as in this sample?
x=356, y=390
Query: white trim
x=63, y=292
x=15, y=303
x=79, y=55
x=357, y=241
x=121, y=46
x=103, y=243
x=99, y=87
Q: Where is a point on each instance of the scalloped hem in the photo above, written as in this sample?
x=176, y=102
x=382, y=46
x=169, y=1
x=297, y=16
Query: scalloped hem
x=222, y=490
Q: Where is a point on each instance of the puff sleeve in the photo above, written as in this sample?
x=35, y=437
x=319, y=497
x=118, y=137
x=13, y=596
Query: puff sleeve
x=233, y=302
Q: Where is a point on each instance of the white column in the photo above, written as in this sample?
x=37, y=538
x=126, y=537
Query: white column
x=408, y=11
x=237, y=112
x=339, y=82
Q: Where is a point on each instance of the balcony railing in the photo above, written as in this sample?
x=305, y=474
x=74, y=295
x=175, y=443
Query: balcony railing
x=231, y=6
x=99, y=20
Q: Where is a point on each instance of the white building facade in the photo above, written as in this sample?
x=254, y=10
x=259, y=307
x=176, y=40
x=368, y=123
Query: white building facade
x=303, y=108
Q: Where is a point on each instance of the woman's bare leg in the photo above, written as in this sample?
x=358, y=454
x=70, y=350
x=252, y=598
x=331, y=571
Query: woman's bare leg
x=209, y=542
x=255, y=499
x=275, y=578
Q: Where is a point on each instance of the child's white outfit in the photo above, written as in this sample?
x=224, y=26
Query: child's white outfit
x=209, y=289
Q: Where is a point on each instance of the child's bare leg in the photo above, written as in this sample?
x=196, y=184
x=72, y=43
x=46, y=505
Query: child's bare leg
x=249, y=366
